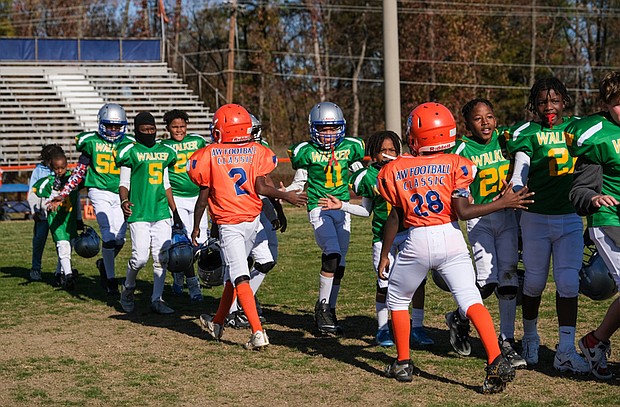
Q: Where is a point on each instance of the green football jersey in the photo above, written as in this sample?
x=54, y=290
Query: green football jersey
x=179, y=180
x=364, y=184
x=63, y=222
x=551, y=165
x=597, y=138
x=103, y=172
x=492, y=167
x=146, y=190
x=328, y=172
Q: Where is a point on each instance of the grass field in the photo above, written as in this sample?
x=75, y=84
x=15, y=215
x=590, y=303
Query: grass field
x=79, y=349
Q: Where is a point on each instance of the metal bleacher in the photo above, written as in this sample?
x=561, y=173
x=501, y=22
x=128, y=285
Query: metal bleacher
x=51, y=103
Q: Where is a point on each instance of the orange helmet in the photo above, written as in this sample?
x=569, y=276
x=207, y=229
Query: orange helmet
x=231, y=124
x=430, y=128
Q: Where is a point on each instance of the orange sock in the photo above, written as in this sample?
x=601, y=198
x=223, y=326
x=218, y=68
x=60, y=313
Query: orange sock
x=480, y=317
x=225, y=303
x=246, y=299
x=401, y=325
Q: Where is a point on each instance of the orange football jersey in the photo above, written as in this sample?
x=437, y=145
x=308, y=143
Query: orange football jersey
x=422, y=186
x=230, y=171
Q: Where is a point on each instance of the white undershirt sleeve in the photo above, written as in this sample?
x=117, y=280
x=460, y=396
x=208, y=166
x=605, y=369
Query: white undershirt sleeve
x=166, y=179
x=358, y=210
x=299, y=180
x=521, y=171
x=125, y=177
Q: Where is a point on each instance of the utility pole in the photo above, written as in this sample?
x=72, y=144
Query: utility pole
x=391, y=67
x=231, y=53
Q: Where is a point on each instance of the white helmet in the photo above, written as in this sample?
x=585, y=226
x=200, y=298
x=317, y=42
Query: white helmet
x=88, y=243
x=326, y=114
x=210, y=264
x=112, y=114
x=257, y=129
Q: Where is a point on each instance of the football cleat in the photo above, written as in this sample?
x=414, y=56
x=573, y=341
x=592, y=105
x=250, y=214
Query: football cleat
x=323, y=318
x=57, y=279
x=215, y=330
x=67, y=282
x=498, y=374
x=509, y=353
x=128, y=302
x=257, y=341
x=35, y=275
x=570, y=362
x=419, y=337
x=237, y=320
x=112, y=287
x=160, y=307
x=384, y=338
x=339, y=329
x=530, y=350
x=596, y=356
x=459, y=333
x=402, y=371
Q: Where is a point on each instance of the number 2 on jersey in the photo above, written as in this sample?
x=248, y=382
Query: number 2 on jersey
x=106, y=165
x=242, y=178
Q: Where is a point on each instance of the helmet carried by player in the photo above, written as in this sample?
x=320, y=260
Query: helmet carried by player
x=88, y=243
x=112, y=114
x=326, y=114
x=430, y=128
x=210, y=264
x=181, y=252
x=595, y=280
x=257, y=129
x=231, y=124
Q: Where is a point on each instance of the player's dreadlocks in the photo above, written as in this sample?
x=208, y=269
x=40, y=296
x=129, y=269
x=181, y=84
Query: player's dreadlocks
x=175, y=114
x=547, y=84
x=373, y=145
x=49, y=151
x=469, y=107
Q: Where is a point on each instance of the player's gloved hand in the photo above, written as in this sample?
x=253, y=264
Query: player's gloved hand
x=80, y=224
x=177, y=222
x=275, y=224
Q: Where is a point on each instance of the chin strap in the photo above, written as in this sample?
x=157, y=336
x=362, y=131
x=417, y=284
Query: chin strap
x=332, y=160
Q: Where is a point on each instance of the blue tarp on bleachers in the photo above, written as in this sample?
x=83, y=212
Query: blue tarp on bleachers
x=60, y=49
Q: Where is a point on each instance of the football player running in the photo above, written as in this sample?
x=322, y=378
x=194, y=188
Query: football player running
x=146, y=199
x=231, y=174
x=382, y=147
x=493, y=237
x=429, y=191
x=550, y=227
x=325, y=162
x=185, y=192
x=97, y=166
x=595, y=193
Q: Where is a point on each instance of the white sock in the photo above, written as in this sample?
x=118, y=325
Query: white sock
x=567, y=339
x=130, y=279
x=325, y=288
x=108, y=261
x=417, y=317
x=159, y=280
x=256, y=279
x=383, y=315
x=507, y=316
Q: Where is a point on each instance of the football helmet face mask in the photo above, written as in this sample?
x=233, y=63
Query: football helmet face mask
x=595, y=280
x=210, y=264
x=112, y=115
x=257, y=129
x=231, y=124
x=326, y=114
x=180, y=253
x=88, y=243
x=430, y=128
